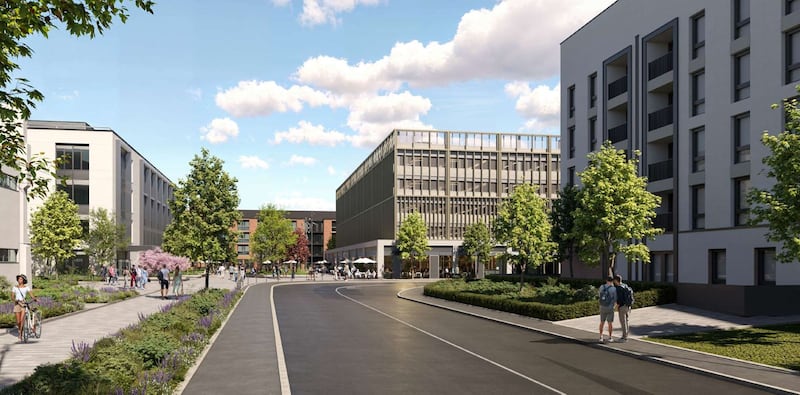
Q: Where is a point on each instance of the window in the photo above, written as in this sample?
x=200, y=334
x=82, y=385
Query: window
x=592, y=134
x=766, y=266
x=699, y=207
x=593, y=90
x=244, y=237
x=243, y=249
x=741, y=210
x=791, y=6
x=699, y=92
x=78, y=193
x=571, y=100
x=571, y=175
x=73, y=157
x=741, y=18
x=717, y=262
x=571, y=137
x=8, y=181
x=245, y=224
x=698, y=149
x=8, y=255
x=741, y=138
x=84, y=228
x=698, y=34
x=792, y=55
x=741, y=76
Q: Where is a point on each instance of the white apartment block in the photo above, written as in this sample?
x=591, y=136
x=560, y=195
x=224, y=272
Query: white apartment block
x=689, y=84
x=103, y=170
x=14, y=240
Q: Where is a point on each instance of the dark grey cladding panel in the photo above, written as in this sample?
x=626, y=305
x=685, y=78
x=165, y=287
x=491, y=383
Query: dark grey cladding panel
x=441, y=251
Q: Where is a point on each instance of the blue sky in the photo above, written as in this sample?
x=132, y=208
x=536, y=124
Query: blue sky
x=293, y=94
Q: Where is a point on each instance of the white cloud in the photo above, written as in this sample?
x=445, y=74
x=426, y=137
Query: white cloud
x=281, y=3
x=320, y=12
x=74, y=94
x=219, y=130
x=195, y=93
x=312, y=134
x=253, y=162
x=297, y=201
x=253, y=98
x=331, y=170
x=540, y=106
x=301, y=160
x=374, y=117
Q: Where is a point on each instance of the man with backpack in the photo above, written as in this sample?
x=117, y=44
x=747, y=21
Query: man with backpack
x=624, y=303
x=608, y=298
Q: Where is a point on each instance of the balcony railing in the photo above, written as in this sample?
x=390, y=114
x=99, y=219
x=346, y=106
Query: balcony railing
x=663, y=221
x=618, y=87
x=618, y=133
x=660, y=170
x=659, y=66
x=660, y=118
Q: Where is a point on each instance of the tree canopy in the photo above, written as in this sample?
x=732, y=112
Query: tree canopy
x=299, y=250
x=478, y=242
x=412, y=237
x=105, y=238
x=562, y=219
x=614, y=207
x=204, y=208
x=55, y=231
x=779, y=205
x=273, y=235
x=155, y=259
x=20, y=19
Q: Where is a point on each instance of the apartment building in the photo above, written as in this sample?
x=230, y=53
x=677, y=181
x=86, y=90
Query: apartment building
x=318, y=226
x=453, y=179
x=14, y=239
x=689, y=84
x=103, y=170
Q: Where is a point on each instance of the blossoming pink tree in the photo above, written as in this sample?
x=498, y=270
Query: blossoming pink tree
x=155, y=259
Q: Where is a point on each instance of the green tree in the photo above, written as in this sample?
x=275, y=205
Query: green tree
x=331, y=242
x=563, y=221
x=105, y=238
x=19, y=20
x=273, y=235
x=412, y=239
x=779, y=206
x=478, y=243
x=615, y=210
x=204, y=208
x=55, y=231
x=522, y=225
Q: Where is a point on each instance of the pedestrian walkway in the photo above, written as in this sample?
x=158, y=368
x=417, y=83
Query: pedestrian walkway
x=657, y=320
x=18, y=360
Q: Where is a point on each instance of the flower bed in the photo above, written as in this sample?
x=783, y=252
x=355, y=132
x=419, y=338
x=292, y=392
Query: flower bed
x=151, y=356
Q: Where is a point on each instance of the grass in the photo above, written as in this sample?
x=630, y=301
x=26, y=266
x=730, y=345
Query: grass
x=777, y=345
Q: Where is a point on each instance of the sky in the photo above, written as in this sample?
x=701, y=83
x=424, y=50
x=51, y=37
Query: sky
x=294, y=94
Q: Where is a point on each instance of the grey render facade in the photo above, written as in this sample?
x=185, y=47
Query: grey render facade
x=689, y=84
x=453, y=179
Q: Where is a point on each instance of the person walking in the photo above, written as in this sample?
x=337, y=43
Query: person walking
x=177, y=282
x=133, y=276
x=608, y=298
x=624, y=303
x=112, y=275
x=163, y=279
x=18, y=294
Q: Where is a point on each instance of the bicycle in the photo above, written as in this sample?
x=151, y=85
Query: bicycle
x=31, y=323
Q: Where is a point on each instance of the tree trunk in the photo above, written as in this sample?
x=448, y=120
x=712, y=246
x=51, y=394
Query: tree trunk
x=571, y=260
x=207, y=273
x=521, y=274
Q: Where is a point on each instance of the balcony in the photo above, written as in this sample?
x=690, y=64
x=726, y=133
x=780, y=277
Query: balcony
x=618, y=87
x=618, y=133
x=663, y=221
x=659, y=66
x=659, y=171
x=659, y=119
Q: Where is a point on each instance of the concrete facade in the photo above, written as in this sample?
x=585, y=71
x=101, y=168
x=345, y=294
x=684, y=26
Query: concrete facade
x=105, y=171
x=689, y=84
x=14, y=239
x=453, y=179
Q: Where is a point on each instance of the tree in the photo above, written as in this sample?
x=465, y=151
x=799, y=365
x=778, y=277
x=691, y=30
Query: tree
x=203, y=209
x=563, y=224
x=412, y=239
x=299, y=250
x=105, y=238
x=779, y=205
x=20, y=19
x=478, y=243
x=155, y=259
x=522, y=225
x=273, y=235
x=331, y=242
x=55, y=230
x=615, y=209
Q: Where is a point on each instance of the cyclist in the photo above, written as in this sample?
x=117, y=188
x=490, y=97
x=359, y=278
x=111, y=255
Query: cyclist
x=18, y=294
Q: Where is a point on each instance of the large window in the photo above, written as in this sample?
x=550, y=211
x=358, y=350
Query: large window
x=571, y=137
x=592, y=134
x=790, y=6
x=699, y=92
x=741, y=18
x=699, y=207
x=741, y=138
x=766, y=266
x=741, y=210
x=245, y=224
x=593, y=90
x=571, y=175
x=571, y=100
x=244, y=237
x=741, y=76
x=8, y=255
x=78, y=193
x=243, y=249
x=698, y=149
x=792, y=55
x=718, y=266
x=73, y=157
x=698, y=34
x=8, y=181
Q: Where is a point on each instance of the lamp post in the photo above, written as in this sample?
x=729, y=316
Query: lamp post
x=310, y=232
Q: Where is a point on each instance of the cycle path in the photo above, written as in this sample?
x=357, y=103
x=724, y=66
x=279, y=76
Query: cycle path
x=18, y=360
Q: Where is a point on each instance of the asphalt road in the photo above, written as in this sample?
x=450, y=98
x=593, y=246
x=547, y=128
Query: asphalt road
x=361, y=339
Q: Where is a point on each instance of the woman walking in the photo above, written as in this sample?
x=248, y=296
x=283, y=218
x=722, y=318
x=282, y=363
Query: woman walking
x=177, y=282
x=18, y=294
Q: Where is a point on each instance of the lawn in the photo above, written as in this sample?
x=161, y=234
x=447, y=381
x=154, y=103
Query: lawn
x=777, y=345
